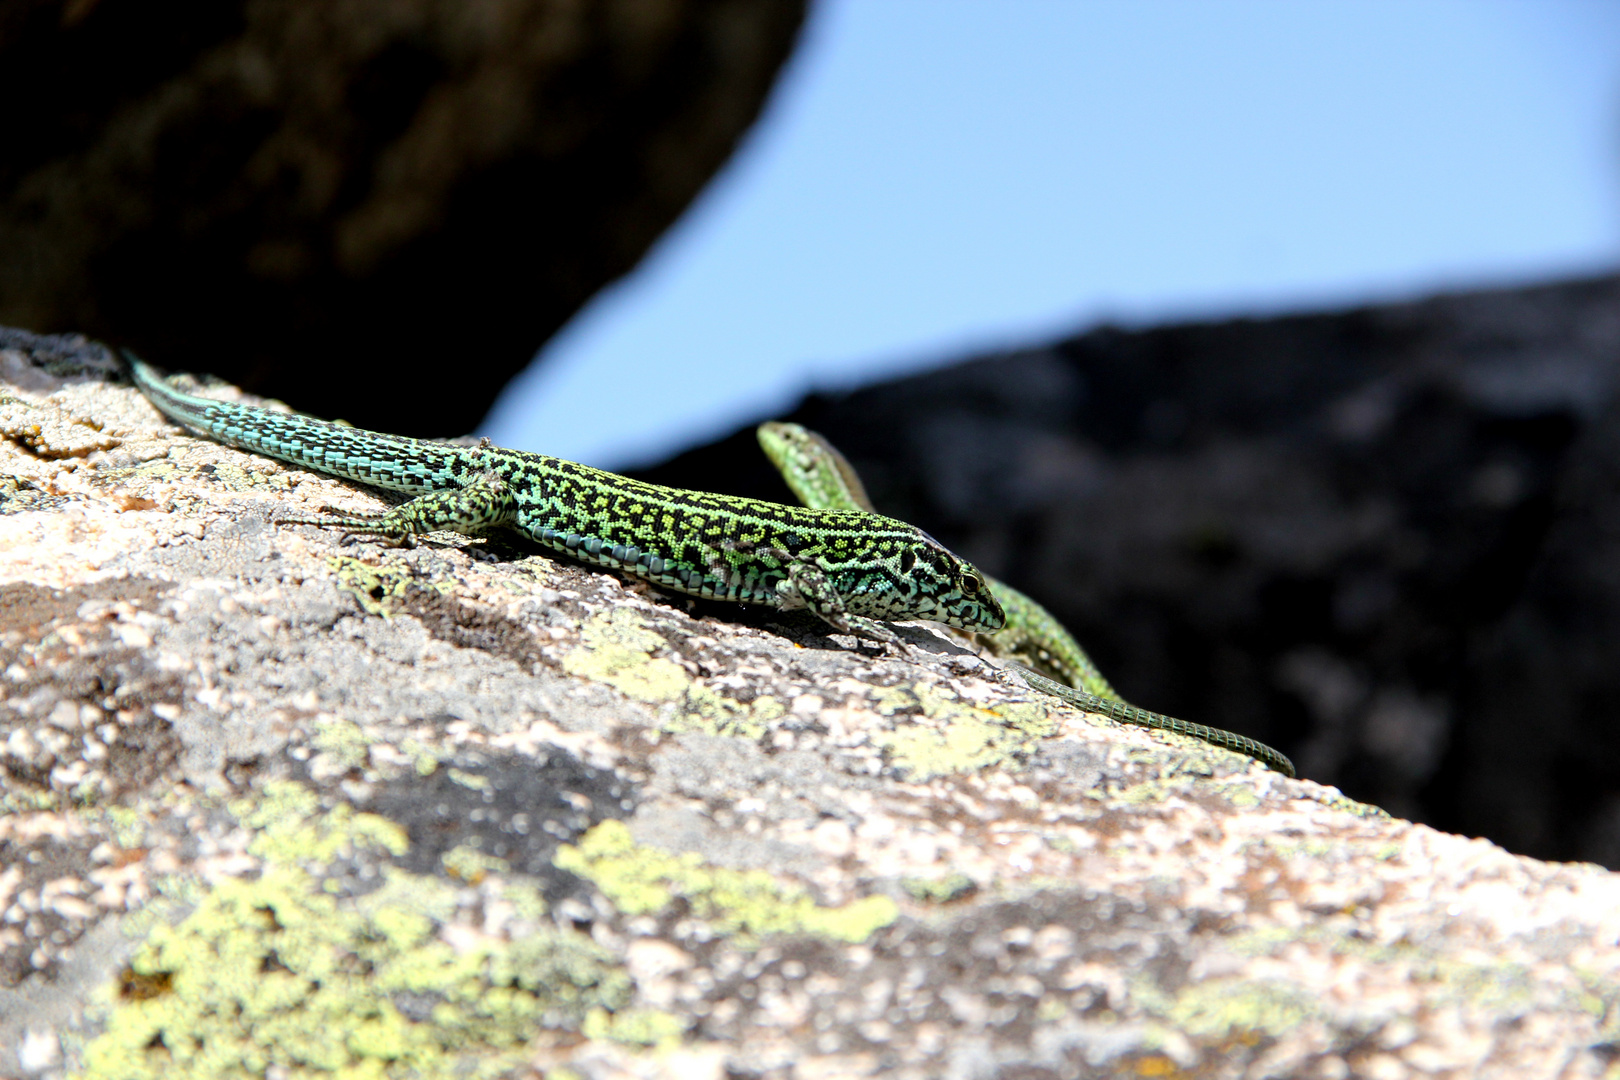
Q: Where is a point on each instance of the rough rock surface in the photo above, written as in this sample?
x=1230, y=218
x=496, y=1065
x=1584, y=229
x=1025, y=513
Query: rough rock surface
x=275, y=806
x=1384, y=541
x=326, y=200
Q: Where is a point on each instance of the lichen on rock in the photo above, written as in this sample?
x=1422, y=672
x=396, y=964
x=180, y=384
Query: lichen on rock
x=277, y=806
x=289, y=969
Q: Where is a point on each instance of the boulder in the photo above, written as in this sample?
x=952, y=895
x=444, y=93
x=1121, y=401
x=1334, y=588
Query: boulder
x=377, y=209
x=276, y=805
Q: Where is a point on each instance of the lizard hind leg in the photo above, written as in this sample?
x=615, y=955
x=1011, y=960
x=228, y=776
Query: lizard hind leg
x=485, y=502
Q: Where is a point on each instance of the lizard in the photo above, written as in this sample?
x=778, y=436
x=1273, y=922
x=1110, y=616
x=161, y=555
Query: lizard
x=1032, y=637
x=854, y=570
x=819, y=475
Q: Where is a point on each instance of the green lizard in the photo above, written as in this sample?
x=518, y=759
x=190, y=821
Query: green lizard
x=854, y=570
x=822, y=477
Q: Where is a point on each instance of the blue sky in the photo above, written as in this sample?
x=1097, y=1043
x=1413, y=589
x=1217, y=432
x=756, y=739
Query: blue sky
x=937, y=176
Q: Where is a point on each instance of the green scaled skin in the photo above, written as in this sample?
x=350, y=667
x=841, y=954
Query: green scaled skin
x=854, y=570
x=822, y=477
x=1130, y=714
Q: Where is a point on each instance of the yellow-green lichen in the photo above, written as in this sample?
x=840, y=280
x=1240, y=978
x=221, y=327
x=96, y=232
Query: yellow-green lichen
x=1340, y=801
x=1183, y=776
x=954, y=737
x=343, y=741
x=1050, y=1009
x=707, y=711
x=160, y=469
x=1599, y=998
x=290, y=828
x=938, y=890
x=1314, y=849
x=380, y=590
x=1155, y=789
x=235, y=478
x=30, y=802
x=634, y=1027
x=888, y=700
x=466, y=863
x=1218, y=1008
x=1242, y=796
x=127, y=825
x=642, y=880
x=1243, y=1008
x=277, y=971
x=1183, y=772
x=470, y=780
x=425, y=757
x=1502, y=987
x=617, y=649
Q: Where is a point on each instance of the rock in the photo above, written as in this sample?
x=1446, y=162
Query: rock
x=377, y=210
x=1382, y=541
x=312, y=807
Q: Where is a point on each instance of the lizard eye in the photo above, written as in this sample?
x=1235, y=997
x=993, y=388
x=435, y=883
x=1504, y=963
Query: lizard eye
x=970, y=584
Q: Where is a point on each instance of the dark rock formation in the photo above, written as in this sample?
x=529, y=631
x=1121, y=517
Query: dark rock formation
x=1386, y=541
x=343, y=203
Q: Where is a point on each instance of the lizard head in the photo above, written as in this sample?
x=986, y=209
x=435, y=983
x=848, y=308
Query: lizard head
x=917, y=577
x=961, y=594
x=911, y=575
x=812, y=467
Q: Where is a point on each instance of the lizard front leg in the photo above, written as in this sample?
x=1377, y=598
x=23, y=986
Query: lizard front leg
x=808, y=584
x=485, y=502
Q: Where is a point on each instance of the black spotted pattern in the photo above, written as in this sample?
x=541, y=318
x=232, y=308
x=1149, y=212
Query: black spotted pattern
x=709, y=545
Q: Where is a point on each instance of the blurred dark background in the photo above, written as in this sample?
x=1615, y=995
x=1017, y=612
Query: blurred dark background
x=377, y=208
